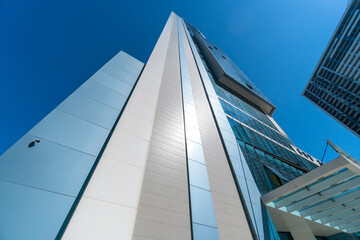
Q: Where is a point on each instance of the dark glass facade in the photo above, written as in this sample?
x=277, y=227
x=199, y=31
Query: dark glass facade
x=271, y=156
x=334, y=86
x=268, y=151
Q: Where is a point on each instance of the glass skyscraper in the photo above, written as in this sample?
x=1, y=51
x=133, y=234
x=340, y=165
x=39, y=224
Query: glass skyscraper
x=334, y=85
x=183, y=147
x=272, y=157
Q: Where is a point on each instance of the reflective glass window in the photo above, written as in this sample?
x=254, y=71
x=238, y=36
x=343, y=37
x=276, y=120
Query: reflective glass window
x=202, y=207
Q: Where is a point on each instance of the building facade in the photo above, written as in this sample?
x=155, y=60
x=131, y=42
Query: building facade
x=180, y=148
x=334, y=85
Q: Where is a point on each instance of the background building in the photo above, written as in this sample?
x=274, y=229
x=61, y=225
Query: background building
x=181, y=148
x=334, y=86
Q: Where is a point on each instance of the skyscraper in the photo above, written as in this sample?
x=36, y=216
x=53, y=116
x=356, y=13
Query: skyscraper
x=181, y=148
x=334, y=85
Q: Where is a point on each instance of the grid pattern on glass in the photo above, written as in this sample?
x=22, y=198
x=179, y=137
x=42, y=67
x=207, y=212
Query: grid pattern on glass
x=229, y=101
x=282, y=144
x=255, y=124
x=249, y=115
x=286, y=167
x=268, y=170
x=334, y=85
x=241, y=103
x=247, y=135
x=264, y=177
x=263, y=128
x=260, y=116
x=202, y=209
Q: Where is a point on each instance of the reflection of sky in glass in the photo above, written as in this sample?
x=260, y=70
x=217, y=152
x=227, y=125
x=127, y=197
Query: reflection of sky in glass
x=231, y=69
x=202, y=209
x=244, y=177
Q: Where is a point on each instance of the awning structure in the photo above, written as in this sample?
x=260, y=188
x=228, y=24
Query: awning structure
x=329, y=195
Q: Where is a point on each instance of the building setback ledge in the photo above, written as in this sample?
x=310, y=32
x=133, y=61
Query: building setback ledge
x=224, y=77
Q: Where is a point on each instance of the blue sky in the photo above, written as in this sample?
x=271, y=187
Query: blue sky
x=49, y=48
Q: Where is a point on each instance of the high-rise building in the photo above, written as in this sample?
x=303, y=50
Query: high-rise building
x=184, y=147
x=334, y=85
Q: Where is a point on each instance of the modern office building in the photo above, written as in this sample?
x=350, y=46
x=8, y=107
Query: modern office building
x=334, y=86
x=184, y=147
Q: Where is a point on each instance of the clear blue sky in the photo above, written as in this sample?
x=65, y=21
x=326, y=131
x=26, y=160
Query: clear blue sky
x=49, y=48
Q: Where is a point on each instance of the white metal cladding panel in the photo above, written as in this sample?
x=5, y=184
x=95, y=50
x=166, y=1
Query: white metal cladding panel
x=163, y=211
x=109, y=205
x=244, y=177
x=230, y=217
x=52, y=171
x=202, y=208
